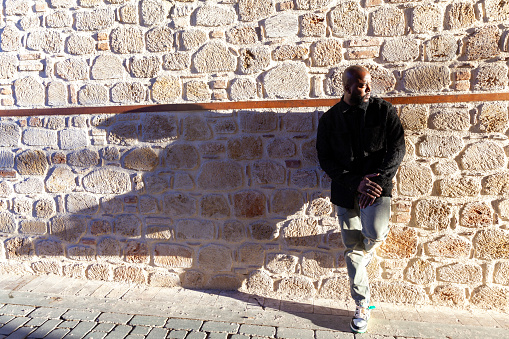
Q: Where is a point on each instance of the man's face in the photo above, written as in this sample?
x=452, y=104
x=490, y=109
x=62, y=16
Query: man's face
x=359, y=89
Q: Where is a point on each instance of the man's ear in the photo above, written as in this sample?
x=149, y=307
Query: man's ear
x=346, y=89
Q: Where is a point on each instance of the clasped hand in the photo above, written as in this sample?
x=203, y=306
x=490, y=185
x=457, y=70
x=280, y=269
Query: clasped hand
x=368, y=190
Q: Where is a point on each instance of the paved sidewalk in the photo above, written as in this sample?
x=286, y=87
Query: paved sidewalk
x=55, y=307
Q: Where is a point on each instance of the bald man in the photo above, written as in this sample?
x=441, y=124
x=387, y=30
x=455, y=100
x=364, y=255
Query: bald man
x=360, y=146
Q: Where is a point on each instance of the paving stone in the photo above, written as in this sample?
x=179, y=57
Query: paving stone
x=95, y=335
x=20, y=333
x=239, y=336
x=12, y=325
x=4, y=319
x=36, y=322
x=183, y=324
x=216, y=326
x=16, y=310
x=104, y=327
x=81, y=329
x=215, y=335
x=68, y=324
x=47, y=327
x=48, y=312
x=180, y=334
x=58, y=333
x=196, y=335
x=119, y=332
x=297, y=333
x=146, y=320
x=255, y=330
x=80, y=315
x=157, y=333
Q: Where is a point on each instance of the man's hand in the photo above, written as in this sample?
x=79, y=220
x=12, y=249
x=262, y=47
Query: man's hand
x=369, y=190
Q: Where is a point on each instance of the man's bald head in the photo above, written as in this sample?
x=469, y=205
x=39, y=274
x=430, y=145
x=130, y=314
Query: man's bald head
x=357, y=85
x=353, y=73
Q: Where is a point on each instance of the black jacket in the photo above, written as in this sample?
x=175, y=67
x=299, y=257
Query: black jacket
x=353, y=141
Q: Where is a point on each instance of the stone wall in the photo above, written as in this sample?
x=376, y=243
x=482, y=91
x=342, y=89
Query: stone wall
x=236, y=199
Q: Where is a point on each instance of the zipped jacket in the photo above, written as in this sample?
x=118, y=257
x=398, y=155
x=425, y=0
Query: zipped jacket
x=353, y=141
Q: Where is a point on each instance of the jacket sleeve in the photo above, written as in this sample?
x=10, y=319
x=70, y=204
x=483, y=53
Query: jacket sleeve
x=395, y=149
x=328, y=161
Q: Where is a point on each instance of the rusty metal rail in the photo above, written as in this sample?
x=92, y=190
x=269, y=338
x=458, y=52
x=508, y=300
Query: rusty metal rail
x=214, y=106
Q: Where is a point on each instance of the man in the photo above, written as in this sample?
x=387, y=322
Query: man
x=360, y=146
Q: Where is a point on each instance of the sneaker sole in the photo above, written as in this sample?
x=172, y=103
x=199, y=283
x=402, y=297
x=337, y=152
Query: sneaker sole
x=359, y=330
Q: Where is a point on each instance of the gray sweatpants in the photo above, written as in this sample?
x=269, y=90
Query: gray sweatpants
x=363, y=230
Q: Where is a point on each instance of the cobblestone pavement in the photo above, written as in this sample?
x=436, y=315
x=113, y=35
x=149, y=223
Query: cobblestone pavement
x=56, y=307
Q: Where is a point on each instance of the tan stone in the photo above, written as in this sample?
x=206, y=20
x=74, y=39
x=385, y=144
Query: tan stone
x=263, y=230
x=29, y=91
x=441, y=48
x=259, y=282
x=483, y=156
x=460, y=273
x=128, y=225
x=193, y=279
x=76, y=271
x=129, y=274
x=490, y=297
x=348, y=19
x=170, y=255
x=426, y=18
x=397, y=291
x=129, y=14
x=197, y=91
x=123, y=133
x=95, y=20
x=492, y=76
x=32, y=226
x=427, y=78
x=501, y=273
x=282, y=25
x=153, y=12
x=251, y=10
x=18, y=248
x=302, y=232
x=483, y=43
x=16, y=7
x=281, y=263
x=125, y=92
x=126, y=40
x=451, y=120
x=289, y=52
x=476, y=214
x=254, y=60
x=93, y=95
x=440, y=146
x=281, y=148
x=459, y=14
x=249, y=204
x=317, y=264
x=192, y=38
x=220, y=175
x=214, y=206
x=107, y=181
x=83, y=253
x=420, y=272
x=224, y=282
x=32, y=162
x=496, y=10
x=401, y=243
x=9, y=65
x=286, y=201
x=383, y=79
x=448, y=295
x=109, y=249
x=400, y=49
x=251, y=254
x=11, y=39
x=196, y=128
x=21, y=206
x=99, y=272
x=326, y=52
x=180, y=156
x=288, y=80
x=166, y=89
x=215, y=16
x=195, y=229
x=160, y=39
x=245, y=148
x=337, y=288
x=432, y=214
x=83, y=158
x=61, y=179
x=214, y=57
x=268, y=172
x=233, y=231
x=141, y=159
x=145, y=67
x=107, y=67
x=496, y=184
x=179, y=204
x=59, y=19
x=388, y=21
x=9, y=134
x=176, y=61
x=242, y=35
x=81, y=203
x=7, y=222
x=414, y=117
x=46, y=267
x=491, y=244
x=215, y=258
x=493, y=117
x=415, y=180
x=314, y=25
x=296, y=287
x=29, y=22
x=48, y=41
x=503, y=209
x=68, y=227
x=57, y=93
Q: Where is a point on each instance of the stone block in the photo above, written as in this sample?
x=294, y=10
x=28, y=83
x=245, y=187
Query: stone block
x=397, y=291
x=383, y=79
x=348, y=19
x=268, y=172
x=39, y=137
x=16, y=248
x=492, y=76
x=415, y=180
x=303, y=178
x=59, y=19
x=29, y=22
x=215, y=16
x=317, y=264
x=95, y=20
x=286, y=201
x=220, y=175
x=242, y=89
x=245, y=148
x=196, y=128
x=400, y=49
x=336, y=288
x=83, y=158
x=160, y=39
x=450, y=246
x=84, y=253
x=9, y=134
x=254, y=60
x=493, y=117
x=125, y=92
x=214, y=57
x=302, y=232
x=164, y=279
x=171, y=255
x=73, y=138
x=259, y=282
x=109, y=249
x=501, y=273
x=314, y=24
x=251, y=254
x=72, y=69
x=214, y=206
x=280, y=263
x=189, y=229
x=99, y=272
x=107, y=181
x=440, y=146
x=8, y=66
x=153, y=12
x=233, y=231
x=5, y=189
x=215, y=258
x=388, y=21
x=107, y=67
x=66, y=3
x=483, y=43
x=460, y=273
x=249, y=204
x=290, y=52
x=145, y=67
x=57, y=94
x=212, y=148
x=141, y=159
x=129, y=274
x=93, y=95
x=253, y=10
x=127, y=225
x=16, y=7
x=33, y=227
x=197, y=91
x=490, y=297
x=482, y=156
x=326, y=52
x=296, y=287
x=496, y=184
x=100, y=227
x=451, y=120
x=29, y=91
x=30, y=186
x=414, y=117
x=176, y=61
x=476, y=214
x=81, y=203
x=69, y=228
x=427, y=78
x=459, y=15
x=179, y=205
x=496, y=10
x=433, y=214
x=263, y=230
x=420, y=272
x=282, y=25
x=192, y=38
x=180, y=156
x=11, y=40
x=503, y=209
x=32, y=162
x=127, y=40
x=448, y=295
x=242, y=35
x=61, y=180
x=401, y=243
x=426, y=18
x=288, y=80
x=124, y=133
x=47, y=267
x=129, y=14
x=136, y=252
x=491, y=244
x=21, y=206
x=7, y=222
x=166, y=89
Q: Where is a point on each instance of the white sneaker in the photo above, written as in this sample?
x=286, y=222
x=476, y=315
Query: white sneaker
x=359, y=323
